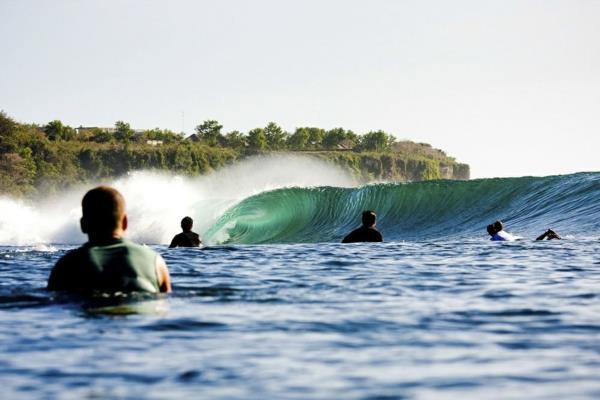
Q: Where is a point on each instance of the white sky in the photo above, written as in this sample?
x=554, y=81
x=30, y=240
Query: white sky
x=511, y=87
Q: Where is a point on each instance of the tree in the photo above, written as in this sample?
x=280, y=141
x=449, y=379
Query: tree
x=376, y=141
x=276, y=137
x=55, y=130
x=299, y=139
x=257, y=139
x=69, y=133
x=17, y=172
x=152, y=134
x=13, y=173
x=83, y=135
x=315, y=137
x=235, y=140
x=431, y=170
x=333, y=138
x=392, y=141
x=99, y=135
x=352, y=138
x=210, y=132
x=165, y=135
x=7, y=133
x=123, y=131
x=7, y=124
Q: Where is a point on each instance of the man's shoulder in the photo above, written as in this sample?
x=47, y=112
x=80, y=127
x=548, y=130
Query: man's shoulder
x=354, y=234
x=363, y=234
x=360, y=231
x=139, y=247
x=67, y=268
x=376, y=233
x=72, y=256
x=373, y=234
x=180, y=236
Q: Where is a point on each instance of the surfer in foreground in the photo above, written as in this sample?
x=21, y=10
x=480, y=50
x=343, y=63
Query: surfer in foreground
x=497, y=233
x=367, y=232
x=108, y=263
x=187, y=238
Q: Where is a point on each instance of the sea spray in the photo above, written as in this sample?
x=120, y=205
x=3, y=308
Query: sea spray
x=45, y=220
x=156, y=202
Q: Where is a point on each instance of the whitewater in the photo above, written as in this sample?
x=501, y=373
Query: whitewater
x=273, y=306
x=156, y=201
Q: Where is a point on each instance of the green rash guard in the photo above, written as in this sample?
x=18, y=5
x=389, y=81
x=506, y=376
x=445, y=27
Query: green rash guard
x=118, y=266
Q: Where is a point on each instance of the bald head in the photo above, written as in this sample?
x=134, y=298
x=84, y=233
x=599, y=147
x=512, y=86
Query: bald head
x=103, y=213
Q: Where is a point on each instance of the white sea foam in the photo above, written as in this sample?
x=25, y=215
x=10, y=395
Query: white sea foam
x=156, y=202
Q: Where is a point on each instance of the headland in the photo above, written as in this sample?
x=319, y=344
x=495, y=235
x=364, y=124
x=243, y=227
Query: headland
x=49, y=158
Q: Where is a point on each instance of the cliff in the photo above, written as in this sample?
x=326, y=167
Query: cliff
x=369, y=167
x=36, y=161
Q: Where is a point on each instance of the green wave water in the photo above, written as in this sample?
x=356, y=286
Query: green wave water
x=416, y=211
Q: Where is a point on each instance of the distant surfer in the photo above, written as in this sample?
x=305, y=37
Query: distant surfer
x=367, y=232
x=108, y=263
x=498, y=234
x=187, y=238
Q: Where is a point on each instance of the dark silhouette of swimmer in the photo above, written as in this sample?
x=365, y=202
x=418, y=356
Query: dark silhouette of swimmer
x=187, y=238
x=108, y=263
x=367, y=232
x=548, y=235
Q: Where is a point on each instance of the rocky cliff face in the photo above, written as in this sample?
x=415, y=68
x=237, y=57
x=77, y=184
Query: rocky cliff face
x=455, y=171
x=369, y=167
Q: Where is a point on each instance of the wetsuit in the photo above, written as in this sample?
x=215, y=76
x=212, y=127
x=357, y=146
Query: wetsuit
x=116, y=266
x=502, y=236
x=186, y=239
x=363, y=234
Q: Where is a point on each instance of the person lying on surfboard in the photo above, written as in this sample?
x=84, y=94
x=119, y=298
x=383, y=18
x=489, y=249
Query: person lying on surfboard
x=497, y=233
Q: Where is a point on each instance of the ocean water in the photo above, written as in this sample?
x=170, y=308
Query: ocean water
x=275, y=307
x=421, y=319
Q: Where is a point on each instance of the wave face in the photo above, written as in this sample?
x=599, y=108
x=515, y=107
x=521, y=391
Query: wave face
x=569, y=204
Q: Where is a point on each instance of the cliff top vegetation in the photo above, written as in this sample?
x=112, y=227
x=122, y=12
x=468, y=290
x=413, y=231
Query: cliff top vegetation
x=52, y=156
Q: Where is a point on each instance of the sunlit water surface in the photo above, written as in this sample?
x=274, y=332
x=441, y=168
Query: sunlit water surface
x=435, y=320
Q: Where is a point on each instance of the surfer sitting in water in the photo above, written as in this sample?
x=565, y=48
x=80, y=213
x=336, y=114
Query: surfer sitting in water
x=367, y=232
x=108, y=263
x=187, y=238
x=497, y=232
